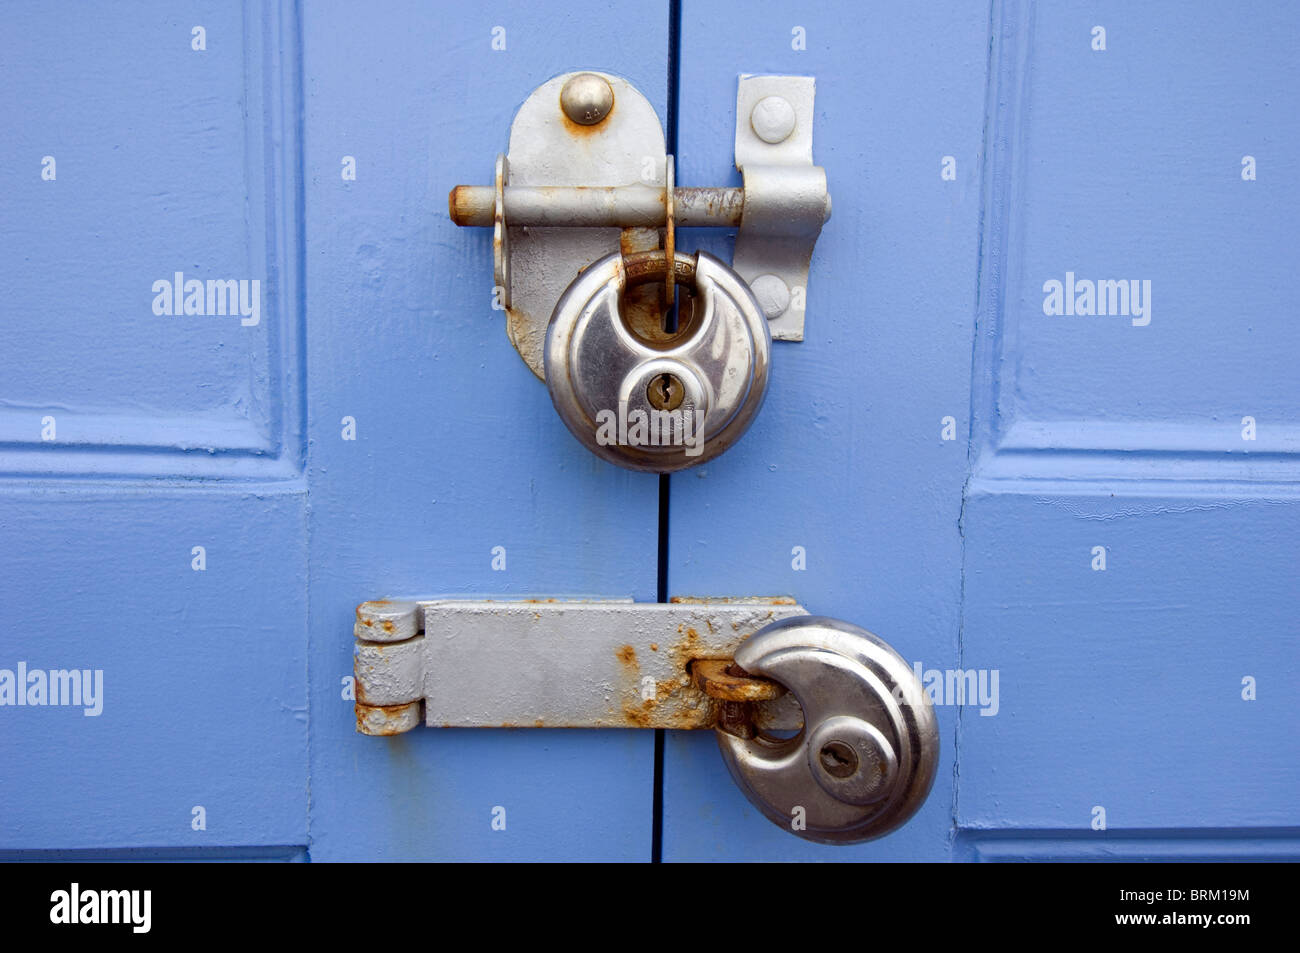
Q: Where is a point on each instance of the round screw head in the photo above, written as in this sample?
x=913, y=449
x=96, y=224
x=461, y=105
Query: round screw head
x=772, y=119
x=665, y=392
x=587, y=99
x=772, y=295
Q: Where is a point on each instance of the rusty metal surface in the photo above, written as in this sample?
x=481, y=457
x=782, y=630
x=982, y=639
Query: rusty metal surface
x=501, y=232
x=708, y=205
x=670, y=230
x=628, y=206
x=643, y=305
x=385, y=720
x=724, y=680
x=384, y=620
x=549, y=663
x=548, y=149
x=737, y=719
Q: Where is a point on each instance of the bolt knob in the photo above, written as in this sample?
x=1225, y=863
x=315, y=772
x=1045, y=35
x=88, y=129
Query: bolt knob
x=587, y=99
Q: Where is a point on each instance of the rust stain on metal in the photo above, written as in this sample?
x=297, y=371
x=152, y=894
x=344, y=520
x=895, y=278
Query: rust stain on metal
x=459, y=206
x=724, y=680
x=668, y=687
x=683, y=652
x=725, y=203
x=382, y=720
x=667, y=708
x=643, y=305
x=648, y=715
x=539, y=723
x=685, y=649
x=639, y=715
x=737, y=718
x=685, y=720
x=364, y=610
x=706, y=600
x=634, y=240
x=654, y=646
x=586, y=133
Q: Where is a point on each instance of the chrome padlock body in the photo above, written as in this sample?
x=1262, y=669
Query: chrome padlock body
x=647, y=399
x=867, y=755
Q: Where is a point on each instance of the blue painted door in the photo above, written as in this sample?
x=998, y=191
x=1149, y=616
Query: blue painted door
x=153, y=511
x=1080, y=522
x=1131, y=527
x=459, y=462
x=196, y=494
x=253, y=377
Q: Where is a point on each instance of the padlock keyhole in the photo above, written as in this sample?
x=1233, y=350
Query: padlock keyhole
x=665, y=392
x=838, y=759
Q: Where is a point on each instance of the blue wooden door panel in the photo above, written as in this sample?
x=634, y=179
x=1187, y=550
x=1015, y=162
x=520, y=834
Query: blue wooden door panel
x=1123, y=688
x=457, y=448
x=152, y=509
x=202, y=674
x=1132, y=544
x=1155, y=161
x=131, y=157
x=1160, y=429
x=847, y=458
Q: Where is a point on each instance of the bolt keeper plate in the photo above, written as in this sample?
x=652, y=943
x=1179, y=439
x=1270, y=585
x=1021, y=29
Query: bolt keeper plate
x=551, y=664
x=786, y=201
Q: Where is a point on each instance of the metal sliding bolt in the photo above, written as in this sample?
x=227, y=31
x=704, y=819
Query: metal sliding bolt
x=625, y=206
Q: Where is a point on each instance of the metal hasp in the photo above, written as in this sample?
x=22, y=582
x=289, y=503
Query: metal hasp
x=586, y=175
x=859, y=744
x=867, y=757
x=548, y=663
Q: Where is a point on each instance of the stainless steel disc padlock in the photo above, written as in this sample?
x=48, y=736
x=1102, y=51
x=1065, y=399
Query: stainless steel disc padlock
x=646, y=398
x=866, y=756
